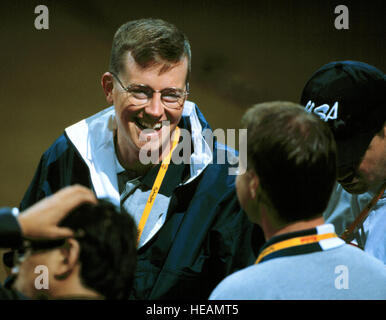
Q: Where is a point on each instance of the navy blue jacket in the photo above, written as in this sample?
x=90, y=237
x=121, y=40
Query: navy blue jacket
x=205, y=237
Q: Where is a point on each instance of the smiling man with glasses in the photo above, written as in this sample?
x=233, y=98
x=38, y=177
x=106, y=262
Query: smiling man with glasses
x=192, y=231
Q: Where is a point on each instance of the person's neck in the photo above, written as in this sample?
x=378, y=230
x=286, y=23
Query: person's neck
x=73, y=289
x=273, y=226
x=130, y=160
x=375, y=188
x=300, y=225
x=137, y=167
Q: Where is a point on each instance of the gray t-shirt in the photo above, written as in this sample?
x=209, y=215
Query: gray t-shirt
x=135, y=192
x=343, y=272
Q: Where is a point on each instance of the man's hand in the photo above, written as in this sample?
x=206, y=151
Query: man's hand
x=40, y=221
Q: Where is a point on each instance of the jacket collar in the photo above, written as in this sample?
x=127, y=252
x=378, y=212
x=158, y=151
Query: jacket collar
x=93, y=138
x=307, y=243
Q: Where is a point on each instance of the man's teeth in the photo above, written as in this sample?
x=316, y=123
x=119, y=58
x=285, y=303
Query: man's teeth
x=155, y=126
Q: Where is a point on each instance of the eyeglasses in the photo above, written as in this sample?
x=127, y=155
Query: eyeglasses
x=140, y=94
x=35, y=246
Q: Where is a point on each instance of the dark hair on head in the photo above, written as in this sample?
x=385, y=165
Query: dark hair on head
x=150, y=42
x=294, y=155
x=108, y=248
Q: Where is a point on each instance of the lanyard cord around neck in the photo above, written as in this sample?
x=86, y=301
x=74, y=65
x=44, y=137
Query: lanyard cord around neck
x=293, y=242
x=157, y=184
x=348, y=234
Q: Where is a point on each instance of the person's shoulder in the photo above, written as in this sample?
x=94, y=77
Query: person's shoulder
x=339, y=210
x=239, y=284
x=57, y=148
x=230, y=152
x=242, y=284
x=361, y=258
x=79, y=130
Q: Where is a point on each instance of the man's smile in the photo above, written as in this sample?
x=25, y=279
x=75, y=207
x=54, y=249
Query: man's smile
x=147, y=125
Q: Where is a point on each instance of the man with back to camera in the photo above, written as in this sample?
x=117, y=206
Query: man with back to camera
x=193, y=232
x=70, y=246
x=350, y=97
x=292, y=153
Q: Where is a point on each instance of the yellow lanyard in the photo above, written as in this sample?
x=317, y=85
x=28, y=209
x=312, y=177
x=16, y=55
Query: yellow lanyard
x=299, y=241
x=157, y=184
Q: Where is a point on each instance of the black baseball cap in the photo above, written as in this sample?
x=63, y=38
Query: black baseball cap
x=350, y=97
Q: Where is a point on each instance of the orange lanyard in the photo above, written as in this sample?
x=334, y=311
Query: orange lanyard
x=298, y=241
x=157, y=184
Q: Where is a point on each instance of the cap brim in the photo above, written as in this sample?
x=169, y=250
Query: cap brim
x=351, y=150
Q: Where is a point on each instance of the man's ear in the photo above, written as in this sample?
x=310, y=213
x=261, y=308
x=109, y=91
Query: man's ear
x=254, y=183
x=108, y=85
x=383, y=131
x=68, y=259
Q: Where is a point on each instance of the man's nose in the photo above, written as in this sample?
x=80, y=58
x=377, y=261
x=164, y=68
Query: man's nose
x=155, y=107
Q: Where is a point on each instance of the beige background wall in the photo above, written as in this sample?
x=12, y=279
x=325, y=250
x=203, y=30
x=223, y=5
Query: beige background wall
x=244, y=52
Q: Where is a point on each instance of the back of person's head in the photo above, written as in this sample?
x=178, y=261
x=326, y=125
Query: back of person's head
x=108, y=248
x=150, y=42
x=293, y=153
